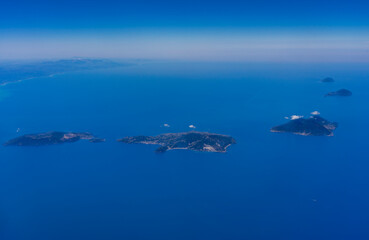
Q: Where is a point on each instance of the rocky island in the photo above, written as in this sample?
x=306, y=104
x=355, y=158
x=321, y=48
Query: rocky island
x=341, y=92
x=197, y=141
x=327, y=80
x=312, y=126
x=51, y=138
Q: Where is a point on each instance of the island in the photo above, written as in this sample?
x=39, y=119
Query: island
x=21, y=70
x=52, y=138
x=341, y=93
x=312, y=126
x=196, y=141
x=327, y=80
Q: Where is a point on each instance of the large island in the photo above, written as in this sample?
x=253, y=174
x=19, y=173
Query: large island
x=312, y=126
x=197, y=141
x=19, y=71
x=52, y=138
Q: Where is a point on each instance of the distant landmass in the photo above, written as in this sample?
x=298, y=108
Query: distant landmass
x=14, y=72
x=327, y=80
x=341, y=92
x=312, y=126
x=197, y=141
x=51, y=138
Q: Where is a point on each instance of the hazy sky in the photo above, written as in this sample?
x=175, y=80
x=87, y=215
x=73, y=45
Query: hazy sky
x=192, y=30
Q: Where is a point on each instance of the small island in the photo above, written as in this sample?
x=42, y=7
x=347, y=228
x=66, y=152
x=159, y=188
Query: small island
x=342, y=93
x=51, y=138
x=327, y=80
x=196, y=141
x=312, y=126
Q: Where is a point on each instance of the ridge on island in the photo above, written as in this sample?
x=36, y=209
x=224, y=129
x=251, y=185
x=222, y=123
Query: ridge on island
x=342, y=92
x=312, y=126
x=52, y=138
x=327, y=80
x=196, y=141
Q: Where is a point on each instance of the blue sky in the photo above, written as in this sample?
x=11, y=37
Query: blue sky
x=111, y=14
x=171, y=29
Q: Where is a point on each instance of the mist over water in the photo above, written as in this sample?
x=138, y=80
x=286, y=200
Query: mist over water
x=219, y=45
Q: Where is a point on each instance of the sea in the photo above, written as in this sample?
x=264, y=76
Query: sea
x=267, y=186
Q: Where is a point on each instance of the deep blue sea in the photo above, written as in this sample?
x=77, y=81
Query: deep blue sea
x=267, y=186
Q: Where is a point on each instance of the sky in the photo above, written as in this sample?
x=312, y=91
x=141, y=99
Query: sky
x=193, y=30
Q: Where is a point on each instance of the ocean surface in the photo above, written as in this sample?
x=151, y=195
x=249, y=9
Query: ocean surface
x=267, y=186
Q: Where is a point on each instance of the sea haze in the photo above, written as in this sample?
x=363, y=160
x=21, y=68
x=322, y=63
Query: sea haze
x=267, y=186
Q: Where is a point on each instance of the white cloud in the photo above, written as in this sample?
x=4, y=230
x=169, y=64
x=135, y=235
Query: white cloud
x=166, y=125
x=294, y=117
x=191, y=126
x=315, y=113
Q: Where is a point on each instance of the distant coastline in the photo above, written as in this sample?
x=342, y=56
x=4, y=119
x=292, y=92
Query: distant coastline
x=30, y=78
x=24, y=72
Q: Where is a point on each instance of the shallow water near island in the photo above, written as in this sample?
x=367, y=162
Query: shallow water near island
x=267, y=186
